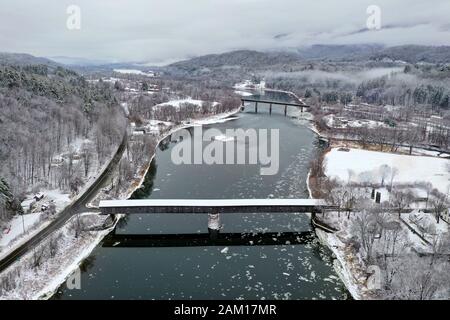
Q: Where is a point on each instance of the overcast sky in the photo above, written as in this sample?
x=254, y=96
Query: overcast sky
x=165, y=30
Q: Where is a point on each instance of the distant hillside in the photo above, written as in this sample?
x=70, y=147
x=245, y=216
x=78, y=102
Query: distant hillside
x=241, y=58
x=339, y=52
x=23, y=59
x=414, y=54
x=363, y=52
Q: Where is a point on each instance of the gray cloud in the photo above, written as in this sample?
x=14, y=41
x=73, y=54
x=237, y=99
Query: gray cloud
x=159, y=31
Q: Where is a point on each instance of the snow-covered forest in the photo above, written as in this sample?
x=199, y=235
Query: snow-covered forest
x=57, y=129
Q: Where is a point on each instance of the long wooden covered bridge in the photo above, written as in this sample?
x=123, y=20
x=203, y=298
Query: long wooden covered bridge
x=212, y=206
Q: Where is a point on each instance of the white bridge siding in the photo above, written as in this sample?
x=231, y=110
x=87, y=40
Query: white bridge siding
x=211, y=206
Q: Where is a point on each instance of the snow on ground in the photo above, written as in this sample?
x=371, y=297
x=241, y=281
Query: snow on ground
x=218, y=118
x=214, y=119
x=14, y=235
x=36, y=284
x=248, y=84
x=423, y=152
x=343, y=268
x=364, y=166
x=243, y=93
x=60, y=199
x=16, y=227
x=158, y=122
x=43, y=281
x=134, y=71
x=177, y=103
x=333, y=121
x=155, y=126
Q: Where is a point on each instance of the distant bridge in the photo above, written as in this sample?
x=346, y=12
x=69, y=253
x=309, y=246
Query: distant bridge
x=216, y=206
x=271, y=102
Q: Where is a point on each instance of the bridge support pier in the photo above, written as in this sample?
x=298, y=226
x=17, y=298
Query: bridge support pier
x=285, y=111
x=214, y=225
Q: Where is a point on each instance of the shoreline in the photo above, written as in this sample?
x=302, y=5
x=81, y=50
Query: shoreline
x=333, y=243
x=331, y=240
x=51, y=289
x=339, y=265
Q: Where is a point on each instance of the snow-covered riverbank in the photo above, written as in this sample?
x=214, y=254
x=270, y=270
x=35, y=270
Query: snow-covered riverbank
x=363, y=166
x=219, y=118
x=340, y=265
x=39, y=273
x=42, y=281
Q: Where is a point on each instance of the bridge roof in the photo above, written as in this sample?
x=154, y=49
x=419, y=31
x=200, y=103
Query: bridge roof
x=210, y=203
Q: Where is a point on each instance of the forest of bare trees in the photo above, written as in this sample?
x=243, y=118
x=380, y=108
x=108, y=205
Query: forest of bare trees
x=44, y=113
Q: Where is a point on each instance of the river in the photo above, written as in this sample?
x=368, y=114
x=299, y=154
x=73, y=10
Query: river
x=282, y=271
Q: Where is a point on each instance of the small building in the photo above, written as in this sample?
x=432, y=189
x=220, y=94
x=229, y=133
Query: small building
x=38, y=196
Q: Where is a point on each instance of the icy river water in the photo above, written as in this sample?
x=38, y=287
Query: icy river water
x=282, y=271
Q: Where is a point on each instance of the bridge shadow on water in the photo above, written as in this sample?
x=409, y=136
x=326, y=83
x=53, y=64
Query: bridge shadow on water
x=213, y=238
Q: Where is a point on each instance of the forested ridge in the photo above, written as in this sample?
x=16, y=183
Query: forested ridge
x=44, y=110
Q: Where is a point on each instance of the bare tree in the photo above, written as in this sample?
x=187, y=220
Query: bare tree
x=416, y=280
x=38, y=255
x=86, y=154
x=385, y=171
x=400, y=200
x=394, y=173
x=53, y=246
x=438, y=203
x=366, y=228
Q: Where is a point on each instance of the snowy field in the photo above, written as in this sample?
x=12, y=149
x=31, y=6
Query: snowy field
x=339, y=122
x=21, y=228
x=179, y=102
x=364, y=166
x=16, y=228
x=243, y=93
x=134, y=71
